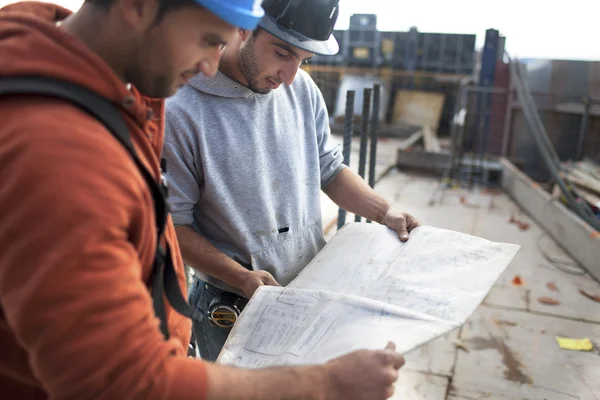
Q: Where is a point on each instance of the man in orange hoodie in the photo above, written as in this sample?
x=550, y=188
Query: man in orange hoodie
x=77, y=225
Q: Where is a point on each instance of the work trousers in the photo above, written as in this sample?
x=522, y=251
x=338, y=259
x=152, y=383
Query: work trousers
x=210, y=339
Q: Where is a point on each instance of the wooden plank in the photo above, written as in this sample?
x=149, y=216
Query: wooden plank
x=411, y=141
x=585, y=180
x=586, y=194
x=432, y=143
x=418, y=108
x=580, y=240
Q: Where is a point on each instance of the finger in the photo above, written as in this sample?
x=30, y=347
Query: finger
x=391, y=346
x=400, y=227
x=402, y=232
x=392, y=358
x=398, y=360
x=268, y=279
x=271, y=281
x=389, y=391
x=412, y=222
x=391, y=376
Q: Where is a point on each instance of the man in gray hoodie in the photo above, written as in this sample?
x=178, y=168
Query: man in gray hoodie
x=247, y=160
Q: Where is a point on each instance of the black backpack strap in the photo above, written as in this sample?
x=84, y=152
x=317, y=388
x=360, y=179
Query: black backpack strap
x=164, y=278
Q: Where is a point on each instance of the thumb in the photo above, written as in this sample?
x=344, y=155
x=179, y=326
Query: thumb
x=269, y=280
x=391, y=346
x=402, y=231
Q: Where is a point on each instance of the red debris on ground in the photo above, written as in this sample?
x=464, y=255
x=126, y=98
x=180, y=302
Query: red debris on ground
x=522, y=225
x=517, y=281
x=595, y=297
x=552, y=286
x=548, y=301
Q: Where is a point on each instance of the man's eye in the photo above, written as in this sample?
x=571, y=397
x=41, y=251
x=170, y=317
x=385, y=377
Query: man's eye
x=283, y=56
x=211, y=43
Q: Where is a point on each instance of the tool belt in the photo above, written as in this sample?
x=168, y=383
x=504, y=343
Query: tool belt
x=224, y=309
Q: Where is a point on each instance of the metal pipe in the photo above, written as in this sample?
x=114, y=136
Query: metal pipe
x=457, y=141
x=364, y=126
x=583, y=127
x=507, y=116
x=374, y=133
x=348, y=125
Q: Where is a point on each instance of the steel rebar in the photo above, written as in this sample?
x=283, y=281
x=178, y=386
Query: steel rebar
x=364, y=130
x=374, y=135
x=348, y=125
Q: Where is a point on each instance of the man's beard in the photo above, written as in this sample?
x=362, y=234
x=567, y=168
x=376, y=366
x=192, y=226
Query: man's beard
x=149, y=84
x=156, y=87
x=250, y=69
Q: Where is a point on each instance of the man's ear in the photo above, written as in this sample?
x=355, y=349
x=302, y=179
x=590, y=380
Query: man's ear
x=245, y=34
x=139, y=13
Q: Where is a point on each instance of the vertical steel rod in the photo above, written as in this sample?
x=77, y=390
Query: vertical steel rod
x=583, y=127
x=374, y=134
x=348, y=125
x=364, y=126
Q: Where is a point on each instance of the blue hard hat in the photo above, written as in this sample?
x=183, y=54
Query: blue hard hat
x=244, y=14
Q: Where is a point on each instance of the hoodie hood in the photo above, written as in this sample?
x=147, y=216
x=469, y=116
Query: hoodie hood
x=220, y=85
x=31, y=44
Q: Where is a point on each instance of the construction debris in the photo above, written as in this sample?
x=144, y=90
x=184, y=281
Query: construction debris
x=521, y=224
x=418, y=108
x=549, y=301
x=595, y=297
x=585, y=179
x=430, y=139
x=461, y=345
x=517, y=281
x=565, y=343
x=552, y=286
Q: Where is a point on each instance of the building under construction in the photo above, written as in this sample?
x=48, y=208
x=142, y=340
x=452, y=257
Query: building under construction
x=496, y=147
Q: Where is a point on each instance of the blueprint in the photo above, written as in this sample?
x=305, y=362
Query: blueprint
x=364, y=289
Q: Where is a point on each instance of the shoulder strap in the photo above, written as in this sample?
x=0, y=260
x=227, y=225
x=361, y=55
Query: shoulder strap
x=164, y=278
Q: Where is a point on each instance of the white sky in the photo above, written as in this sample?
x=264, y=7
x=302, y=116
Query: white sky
x=533, y=28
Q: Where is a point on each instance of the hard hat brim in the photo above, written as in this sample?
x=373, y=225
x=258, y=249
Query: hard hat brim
x=327, y=47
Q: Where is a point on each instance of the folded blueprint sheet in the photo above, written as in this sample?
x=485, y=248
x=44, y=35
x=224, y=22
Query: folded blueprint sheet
x=364, y=289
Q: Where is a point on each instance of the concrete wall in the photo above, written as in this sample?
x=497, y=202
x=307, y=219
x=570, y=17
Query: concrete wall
x=576, y=237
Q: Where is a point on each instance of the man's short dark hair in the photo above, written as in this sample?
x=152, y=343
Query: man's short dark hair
x=166, y=6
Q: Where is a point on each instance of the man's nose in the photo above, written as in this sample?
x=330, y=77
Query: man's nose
x=210, y=65
x=288, y=73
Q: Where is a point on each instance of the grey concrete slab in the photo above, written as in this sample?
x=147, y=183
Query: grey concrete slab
x=415, y=385
x=436, y=357
x=572, y=303
x=541, y=279
x=501, y=335
x=514, y=354
x=525, y=393
x=508, y=296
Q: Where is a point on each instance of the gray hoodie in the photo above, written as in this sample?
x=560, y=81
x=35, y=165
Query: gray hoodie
x=245, y=170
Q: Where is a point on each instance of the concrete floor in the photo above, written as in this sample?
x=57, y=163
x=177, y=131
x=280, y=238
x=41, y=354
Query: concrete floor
x=510, y=350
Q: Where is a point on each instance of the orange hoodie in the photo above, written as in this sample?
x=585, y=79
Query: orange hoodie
x=77, y=234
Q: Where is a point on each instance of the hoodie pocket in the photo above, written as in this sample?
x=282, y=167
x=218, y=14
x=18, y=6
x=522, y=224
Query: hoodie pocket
x=285, y=260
